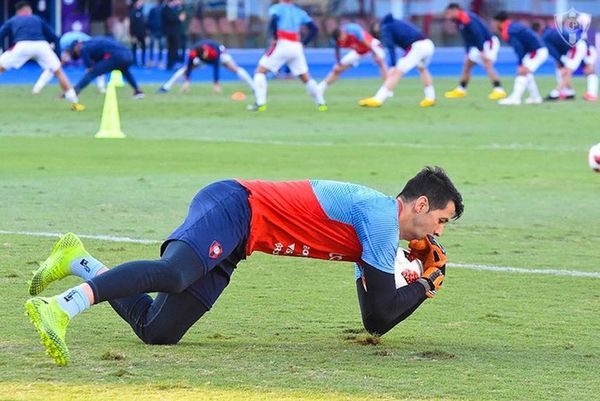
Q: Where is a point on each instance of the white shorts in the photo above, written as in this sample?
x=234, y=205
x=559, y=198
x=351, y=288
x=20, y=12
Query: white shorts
x=533, y=62
x=490, y=51
x=25, y=50
x=419, y=55
x=591, y=55
x=353, y=57
x=286, y=52
x=574, y=56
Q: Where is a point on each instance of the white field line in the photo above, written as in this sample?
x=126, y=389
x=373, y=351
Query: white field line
x=503, y=269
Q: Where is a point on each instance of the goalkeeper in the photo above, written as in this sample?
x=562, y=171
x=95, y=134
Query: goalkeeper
x=229, y=220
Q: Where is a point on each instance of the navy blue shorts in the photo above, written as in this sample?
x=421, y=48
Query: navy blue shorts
x=216, y=228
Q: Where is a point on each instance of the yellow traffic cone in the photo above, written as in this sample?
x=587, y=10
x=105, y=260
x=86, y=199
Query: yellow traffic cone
x=110, y=125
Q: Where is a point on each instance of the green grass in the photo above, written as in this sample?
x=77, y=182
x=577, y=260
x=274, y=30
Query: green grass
x=290, y=328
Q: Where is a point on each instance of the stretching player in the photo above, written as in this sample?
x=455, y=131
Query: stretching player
x=530, y=55
x=287, y=48
x=353, y=36
x=229, y=220
x=31, y=36
x=590, y=61
x=418, y=52
x=481, y=46
x=101, y=56
x=209, y=52
x=567, y=59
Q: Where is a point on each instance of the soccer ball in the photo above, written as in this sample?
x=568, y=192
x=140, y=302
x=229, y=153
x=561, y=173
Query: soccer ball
x=594, y=158
x=406, y=269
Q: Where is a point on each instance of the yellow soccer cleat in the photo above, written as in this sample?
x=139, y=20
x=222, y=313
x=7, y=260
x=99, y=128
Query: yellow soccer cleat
x=77, y=107
x=51, y=322
x=427, y=102
x=322, y=107
x=370, y=102
x=497, y=94
x=455, y=93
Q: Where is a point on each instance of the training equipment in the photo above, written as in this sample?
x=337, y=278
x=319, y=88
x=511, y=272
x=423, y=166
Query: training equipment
x=429, y=251
x=594, y=158
x=238, y=96
x=56, y=266
x=407, y=269
x=51, y=323
x=110, y=125
x=432, y=279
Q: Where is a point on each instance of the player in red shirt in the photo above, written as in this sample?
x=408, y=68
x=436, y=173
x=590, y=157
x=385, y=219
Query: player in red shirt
x=229, y=220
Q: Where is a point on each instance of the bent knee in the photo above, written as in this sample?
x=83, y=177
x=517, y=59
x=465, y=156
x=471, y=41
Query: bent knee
x=376, y=325
x=160, y=339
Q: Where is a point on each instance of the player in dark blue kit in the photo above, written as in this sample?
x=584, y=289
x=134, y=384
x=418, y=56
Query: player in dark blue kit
x=212, y=53
x=101, y=56
x=418, y=51
x=481, y=47
x=229, y=220
x=567, y=57
x=31, y=37
x=531, y=54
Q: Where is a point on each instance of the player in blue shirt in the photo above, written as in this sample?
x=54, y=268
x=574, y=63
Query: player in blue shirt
x=418, y=51
x=531, y=54
x=100, y=56
x=209, y=52
x=229, y=220
x=567, y=58
x=481, y=48
x=31, y=37
x=287, y=48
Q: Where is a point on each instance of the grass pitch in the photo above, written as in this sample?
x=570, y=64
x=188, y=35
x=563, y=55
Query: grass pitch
x=289, y=329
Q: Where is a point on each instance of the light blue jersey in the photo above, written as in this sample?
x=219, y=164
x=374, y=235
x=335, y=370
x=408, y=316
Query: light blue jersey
x=69, y=37
x=290, y=17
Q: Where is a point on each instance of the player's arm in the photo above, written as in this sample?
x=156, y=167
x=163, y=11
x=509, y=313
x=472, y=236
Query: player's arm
x=388, y=42
x=50, y=35
x=518, y=48
x=313, y=30
x=4, y=31
x=216, y=72
x=273, y=24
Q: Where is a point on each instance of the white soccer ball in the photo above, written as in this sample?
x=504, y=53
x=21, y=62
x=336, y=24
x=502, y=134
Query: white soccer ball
x=594, y=158
x=406, y=271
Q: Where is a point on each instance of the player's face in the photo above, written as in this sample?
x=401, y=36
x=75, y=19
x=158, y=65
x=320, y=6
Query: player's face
x=450, y=14
x=431, y=221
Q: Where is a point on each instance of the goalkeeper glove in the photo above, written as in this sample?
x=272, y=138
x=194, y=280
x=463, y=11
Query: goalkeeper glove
x=432, y=280
x=429, y=251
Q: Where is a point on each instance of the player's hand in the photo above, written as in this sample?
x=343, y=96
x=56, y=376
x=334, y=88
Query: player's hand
x=217, y=88
x=185, y=87
x=429, y=251
x=432, y=280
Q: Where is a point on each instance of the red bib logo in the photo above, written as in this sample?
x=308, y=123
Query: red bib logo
x=215, y=250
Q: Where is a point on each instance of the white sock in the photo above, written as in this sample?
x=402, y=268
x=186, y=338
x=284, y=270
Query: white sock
x=71, y=96
x=429, y=92
x=244, y=76
x=314, y=92
x=592, y=84
x=101, y=83
x=520, y=86
x=382, y=94
x=260, y=88
x=178, y=74
x=558, y=77
x=73, y=301
x=532, y=87
x=85, y=267
x=44, y=78
x=323, y=85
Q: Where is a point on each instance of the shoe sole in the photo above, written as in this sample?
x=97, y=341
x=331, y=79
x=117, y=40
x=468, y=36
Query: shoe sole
x=54, y=346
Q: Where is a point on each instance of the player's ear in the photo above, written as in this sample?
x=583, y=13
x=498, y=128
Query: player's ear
x=421, y=205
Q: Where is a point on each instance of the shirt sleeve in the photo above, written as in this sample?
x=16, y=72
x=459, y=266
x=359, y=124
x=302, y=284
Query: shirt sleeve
x=4, y=30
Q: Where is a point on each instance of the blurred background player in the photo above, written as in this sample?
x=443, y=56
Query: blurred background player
x=418, y=52
x=481, y=47
x=31, y=37
x=287, y=48
x=209, y=52
x=567, y=58
x=353, y=36
x=65, y=41
x=531, y=53
x=138, y=30
x=100, y=56
x=590, y=61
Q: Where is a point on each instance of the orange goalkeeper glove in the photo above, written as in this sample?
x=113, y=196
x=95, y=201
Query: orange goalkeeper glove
x=429, y=251
x=432, y=280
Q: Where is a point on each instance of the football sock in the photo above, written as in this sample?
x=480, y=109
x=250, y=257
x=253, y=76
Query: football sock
x=73, y=301
x=429, y=92
x=323, y=85
x=314, y=92
x=520, y=86
x=497, y=84
x=85, y=267
x=382, y=94
x=558, y=77
x=71, y=96
x=178, y=74
x=44, y=78
x=101, y=83
x=244, y=76
x=532, y=86
x=592, y=84
x=260, y=88
x=463, y=85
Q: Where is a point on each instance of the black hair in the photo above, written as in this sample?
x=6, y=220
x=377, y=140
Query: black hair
x=453, y=6
x=335, y=34
x=434, y=183
x=501, y=16
x=536, y=26
x=375, y=29
x=22, y=4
